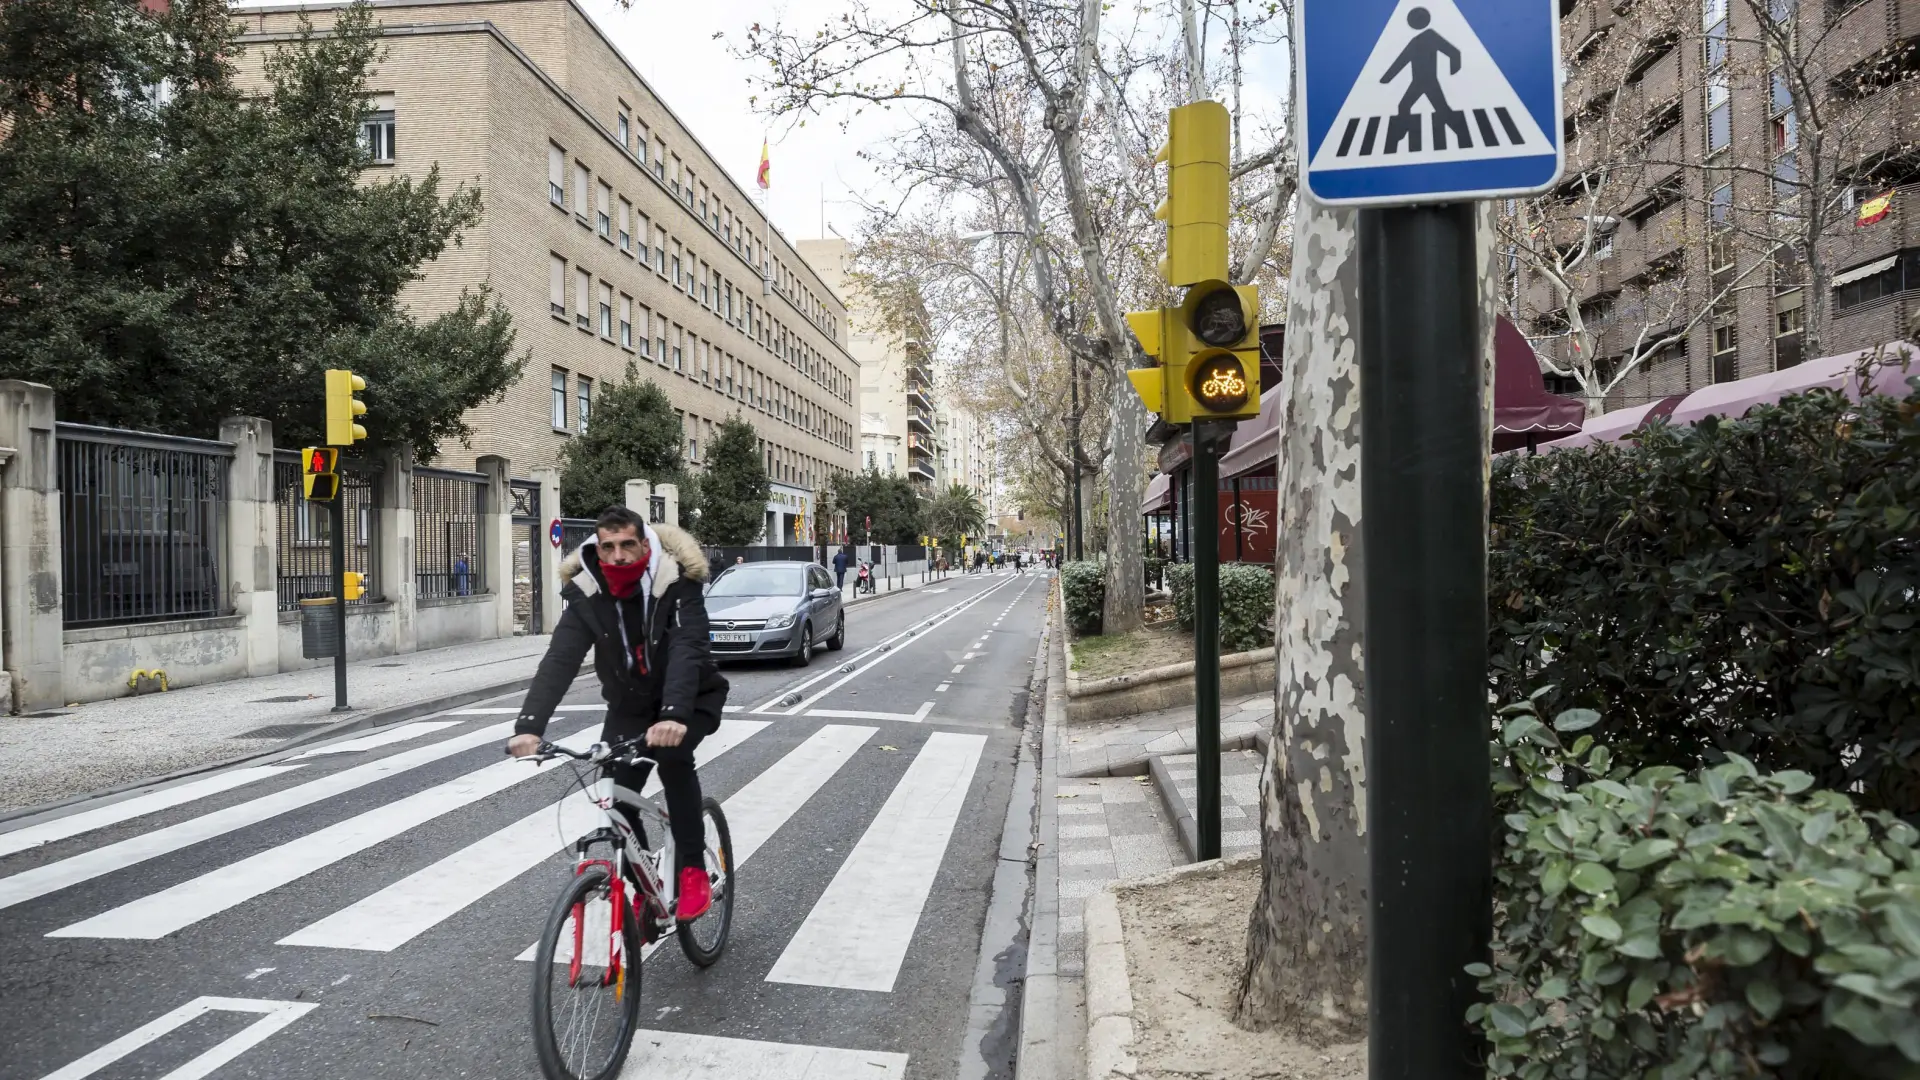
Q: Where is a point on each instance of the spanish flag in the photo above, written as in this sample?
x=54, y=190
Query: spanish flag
x=766, y=166
x=1871, y=211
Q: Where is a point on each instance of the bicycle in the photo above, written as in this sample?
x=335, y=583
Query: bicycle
x=614, y=910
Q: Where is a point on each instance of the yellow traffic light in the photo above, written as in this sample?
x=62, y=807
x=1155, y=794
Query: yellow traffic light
x=1150, y=382
x=319, y=473
x=1198, y=155
x=1221, y=372
x=343, y=409
x=355, y=586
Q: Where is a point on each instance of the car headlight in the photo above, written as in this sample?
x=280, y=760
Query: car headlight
x=780, y=621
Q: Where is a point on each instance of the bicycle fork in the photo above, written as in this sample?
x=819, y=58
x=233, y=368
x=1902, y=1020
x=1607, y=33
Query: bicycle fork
x=616, y=973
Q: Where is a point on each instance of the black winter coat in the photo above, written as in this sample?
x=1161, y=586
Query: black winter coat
x=681, y=682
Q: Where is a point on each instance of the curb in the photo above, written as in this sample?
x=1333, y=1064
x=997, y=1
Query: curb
x=1041, y=1051
x=1141, y=766
x=1110, y=1030
x=374, y=719
x=1176, y=807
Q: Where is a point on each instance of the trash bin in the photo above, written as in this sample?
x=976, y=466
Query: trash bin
x=319, y=631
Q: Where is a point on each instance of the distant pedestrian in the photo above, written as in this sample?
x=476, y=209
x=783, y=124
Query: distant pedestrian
x=840, y=569
x=462, y=575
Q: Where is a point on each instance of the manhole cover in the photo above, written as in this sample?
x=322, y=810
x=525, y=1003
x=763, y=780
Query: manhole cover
x=281, y=731
x=282, y=700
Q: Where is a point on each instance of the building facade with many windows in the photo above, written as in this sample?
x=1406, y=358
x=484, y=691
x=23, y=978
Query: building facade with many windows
x=610, y=234
x=1766, y=162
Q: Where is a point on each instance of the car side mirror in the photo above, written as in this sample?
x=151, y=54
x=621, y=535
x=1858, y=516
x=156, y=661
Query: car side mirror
x=822, y=594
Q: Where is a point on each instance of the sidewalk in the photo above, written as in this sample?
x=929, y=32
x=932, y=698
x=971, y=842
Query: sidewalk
x=75, y=751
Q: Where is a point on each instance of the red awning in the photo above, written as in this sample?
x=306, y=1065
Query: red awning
x=1522, y=408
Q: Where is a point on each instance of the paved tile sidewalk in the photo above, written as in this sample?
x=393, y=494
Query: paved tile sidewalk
x=1239, y=799
x=1110, y=828
x=1121, y=747
x=103, y=744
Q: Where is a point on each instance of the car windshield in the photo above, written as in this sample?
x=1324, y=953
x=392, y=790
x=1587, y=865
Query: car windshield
x=760, y=581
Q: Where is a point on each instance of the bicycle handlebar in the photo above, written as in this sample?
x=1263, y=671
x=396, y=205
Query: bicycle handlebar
x=598, y=753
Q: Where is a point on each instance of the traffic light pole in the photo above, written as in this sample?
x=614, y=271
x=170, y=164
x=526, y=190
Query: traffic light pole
x=338, y=512
x=1207, y=436
x=1423, y=524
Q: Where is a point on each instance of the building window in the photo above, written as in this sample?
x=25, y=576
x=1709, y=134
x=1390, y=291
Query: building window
x=660, y=249
x=1720, y=206
x=626, y=321
x=585, y=402
x=376, y=136
x=606, y=311
x=693, y=448
x=679, y=349
x=583, y=299
x=559, y=399
x=1789, y=328
x=1890, y=276
x=676, y=264
x=603, y=218
x=556, y=176
x=660, y=342
x=1726, y=346
x=557, y=285
x=660, y=158
x=625, y=133
x=640, y=145
x=626, y=223
x=582, y=189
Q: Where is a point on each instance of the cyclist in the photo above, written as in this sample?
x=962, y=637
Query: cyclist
x=634, y=597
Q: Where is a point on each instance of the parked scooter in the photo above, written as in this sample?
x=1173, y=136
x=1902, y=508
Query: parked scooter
x=864, y=583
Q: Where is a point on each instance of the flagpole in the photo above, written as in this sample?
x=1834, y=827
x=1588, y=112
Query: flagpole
x=763, y=180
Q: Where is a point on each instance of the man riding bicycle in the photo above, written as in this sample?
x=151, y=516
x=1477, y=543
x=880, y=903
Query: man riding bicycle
x=634, y=597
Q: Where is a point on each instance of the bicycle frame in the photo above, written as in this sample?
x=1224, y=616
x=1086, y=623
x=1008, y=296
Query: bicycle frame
x=657, y=889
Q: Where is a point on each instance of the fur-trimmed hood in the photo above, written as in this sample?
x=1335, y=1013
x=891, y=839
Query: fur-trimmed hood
x=675, y=555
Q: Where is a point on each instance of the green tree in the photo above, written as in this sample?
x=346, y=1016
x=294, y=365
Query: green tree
x=955, y=513
x=734, y=489
x=173, y=251
x=889, y=501
x=634, y=436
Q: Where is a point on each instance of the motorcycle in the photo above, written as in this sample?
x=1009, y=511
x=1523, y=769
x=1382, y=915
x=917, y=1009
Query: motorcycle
x=864, y=583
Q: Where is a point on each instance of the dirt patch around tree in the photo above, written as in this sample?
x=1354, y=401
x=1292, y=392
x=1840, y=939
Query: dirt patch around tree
x=1106, y=655
x=1186, y=942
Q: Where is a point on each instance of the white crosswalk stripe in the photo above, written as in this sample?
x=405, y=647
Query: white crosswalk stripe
x=672, y=1055
x=415, y=904
x=91, y=864
x=159, y=914
x=402, y=733
x=887, y=877
x=152, y=802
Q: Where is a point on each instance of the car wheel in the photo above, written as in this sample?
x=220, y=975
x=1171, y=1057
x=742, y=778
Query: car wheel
x=804, y=655
x=839, y=639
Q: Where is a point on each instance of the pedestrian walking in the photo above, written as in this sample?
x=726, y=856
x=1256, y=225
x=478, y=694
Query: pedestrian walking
x=840, y=569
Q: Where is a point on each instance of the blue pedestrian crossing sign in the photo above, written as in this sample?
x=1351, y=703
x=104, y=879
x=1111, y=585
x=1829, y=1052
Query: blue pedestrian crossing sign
x=1425, y=101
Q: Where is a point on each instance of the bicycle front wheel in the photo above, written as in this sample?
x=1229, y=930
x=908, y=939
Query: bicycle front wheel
x=704, y=938
x=586, y=983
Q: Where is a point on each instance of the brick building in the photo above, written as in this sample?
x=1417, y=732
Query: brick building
x=608, y=231
x=1719, y=137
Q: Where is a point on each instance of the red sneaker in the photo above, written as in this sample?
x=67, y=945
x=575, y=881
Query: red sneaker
x=696, y=894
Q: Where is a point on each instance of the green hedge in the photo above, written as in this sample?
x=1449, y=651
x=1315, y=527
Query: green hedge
x=1745, y=587
x=1083, y=588
x=1662, y=924
x=1246, y=604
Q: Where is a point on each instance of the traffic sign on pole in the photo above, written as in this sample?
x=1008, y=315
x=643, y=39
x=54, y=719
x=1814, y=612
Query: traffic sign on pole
x=1429, y=101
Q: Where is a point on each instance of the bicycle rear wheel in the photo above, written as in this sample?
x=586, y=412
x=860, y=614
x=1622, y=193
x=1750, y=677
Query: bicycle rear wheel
x=585, y=1007
x=704, y=938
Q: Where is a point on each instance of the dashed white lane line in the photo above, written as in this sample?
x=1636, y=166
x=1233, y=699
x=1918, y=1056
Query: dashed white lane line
x=958, y=668
x=942, y=688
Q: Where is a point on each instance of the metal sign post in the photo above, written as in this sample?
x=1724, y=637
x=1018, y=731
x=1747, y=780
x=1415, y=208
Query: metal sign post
x=1420, y=107
x=1207, y=437
x=339, y=516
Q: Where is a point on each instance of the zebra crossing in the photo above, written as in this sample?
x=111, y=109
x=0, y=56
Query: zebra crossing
x=888, y=874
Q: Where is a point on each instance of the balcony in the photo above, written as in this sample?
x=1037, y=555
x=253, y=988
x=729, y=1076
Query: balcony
x=917, y=395
x=920, y=419
x=1867, y=29
x=1664, y=233
x=1661, y=82
x=1850, y=245
x=921, y=467
x=1885, y=121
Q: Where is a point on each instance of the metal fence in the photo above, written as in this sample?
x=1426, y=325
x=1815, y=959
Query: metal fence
x=573, y=533
x=303, y=565
x=143, y=524
x=448, y=547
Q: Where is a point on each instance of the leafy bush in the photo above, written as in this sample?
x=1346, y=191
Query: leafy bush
x=1744, y=587
x=1666, y=924
x=1083, y=588
x=1246, y=604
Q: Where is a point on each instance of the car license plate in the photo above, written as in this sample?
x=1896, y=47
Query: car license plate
x=726, y=635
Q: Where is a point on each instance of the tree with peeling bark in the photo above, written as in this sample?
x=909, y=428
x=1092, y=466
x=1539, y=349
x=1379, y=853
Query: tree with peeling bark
x=1041, y=95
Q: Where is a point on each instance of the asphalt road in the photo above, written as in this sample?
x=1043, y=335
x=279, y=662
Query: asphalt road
x=357, y=910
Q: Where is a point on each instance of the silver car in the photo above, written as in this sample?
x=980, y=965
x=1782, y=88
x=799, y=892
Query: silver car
x=774, y=609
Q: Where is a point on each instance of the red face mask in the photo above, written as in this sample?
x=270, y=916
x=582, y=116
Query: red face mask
x=623, y=580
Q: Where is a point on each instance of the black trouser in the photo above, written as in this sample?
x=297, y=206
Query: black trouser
x=678, y=782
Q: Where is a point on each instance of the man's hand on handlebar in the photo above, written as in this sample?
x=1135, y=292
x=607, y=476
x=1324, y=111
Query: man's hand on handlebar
x=666, y=733
x=523, y=745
